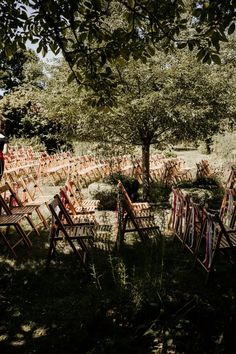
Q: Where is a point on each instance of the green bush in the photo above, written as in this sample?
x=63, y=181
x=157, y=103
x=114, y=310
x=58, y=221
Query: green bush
x=35, y=142
x=214, y=191
x=159, y=192
x=224, y=144
x=130, y=183
x=108, y=199
x=209, y=183
x=203, y=148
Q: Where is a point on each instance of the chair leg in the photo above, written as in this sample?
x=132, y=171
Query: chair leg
x=24, y=237
x=42, y=218
x=52, y=245
x=32, y=225
x=7, y=244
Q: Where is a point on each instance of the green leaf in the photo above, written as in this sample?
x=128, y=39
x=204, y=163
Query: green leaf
x=206, y=58
x=8, y=51
x=216, y=59
x=181, y=45
x=131, y=3
x=108, y=70
x=201, y=53
x=34, y=40
x=22, y=45
x=40, y=47
x=151, y=50
x=70, y=78
x=190, y=46
x=231, y=28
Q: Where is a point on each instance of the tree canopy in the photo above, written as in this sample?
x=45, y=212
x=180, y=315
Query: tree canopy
x=91, y=34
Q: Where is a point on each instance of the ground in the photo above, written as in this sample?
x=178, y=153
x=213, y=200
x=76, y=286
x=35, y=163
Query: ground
x=146, y=299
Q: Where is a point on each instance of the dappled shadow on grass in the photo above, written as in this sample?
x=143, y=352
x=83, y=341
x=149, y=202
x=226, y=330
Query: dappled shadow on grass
x=197, y=318
x=41, y=311
x=145, y=299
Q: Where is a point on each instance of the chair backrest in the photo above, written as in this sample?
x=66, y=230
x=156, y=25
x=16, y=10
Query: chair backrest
x=213, y=237
x=194, y=226
x=180, y=207
x=7, y=198
x=59, y=211
x=125, y=194
x=125, y=204
x=227, y=209
x=67, y=201
x=232, y=178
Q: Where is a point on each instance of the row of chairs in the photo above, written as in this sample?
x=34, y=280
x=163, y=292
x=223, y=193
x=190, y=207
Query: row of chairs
x=205, y=233
x=72, y=220
x=14, y=214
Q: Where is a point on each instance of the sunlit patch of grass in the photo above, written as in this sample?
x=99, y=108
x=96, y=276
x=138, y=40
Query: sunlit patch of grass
x=17, y=343
x=39, y=332
x=8, y=261
x=16, y=313
x=3, y=337
x=27, y=327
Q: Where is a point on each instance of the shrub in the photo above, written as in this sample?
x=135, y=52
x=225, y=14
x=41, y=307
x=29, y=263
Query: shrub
x=202, y=182
x=212, y=197
x=108, y=199
x=130, y=183
x=224, y=144
x=35, y=142
x=203, y=148
x=169, y=154
x=159, y=192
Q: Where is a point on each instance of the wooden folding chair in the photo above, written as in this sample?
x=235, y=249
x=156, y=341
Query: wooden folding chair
x=139, y=209
x=230, y=184
x=227, y=208
x=19, y=203
x=23, y=197
x=78, y=236
x=77, y=210
x=203, y=169
x=193, y=228
x=33, y=191
x=80, y=202
x=214, y=238
x=133, y=217
x=179, y=214
x=11, y=205
x=8, y=221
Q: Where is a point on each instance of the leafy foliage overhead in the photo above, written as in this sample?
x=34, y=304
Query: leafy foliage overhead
x=13, y=71
x=93, y=33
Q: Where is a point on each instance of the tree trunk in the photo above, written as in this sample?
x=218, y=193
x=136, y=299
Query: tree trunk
x=146, y=170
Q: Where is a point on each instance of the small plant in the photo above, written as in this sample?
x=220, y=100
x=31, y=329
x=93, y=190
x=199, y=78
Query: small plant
x=108, y=199
x=130, y=183
x=224, y=145
x=212, y=188
x=201, y=182
x=169, y=154
x=95, y=277
x=159, y=192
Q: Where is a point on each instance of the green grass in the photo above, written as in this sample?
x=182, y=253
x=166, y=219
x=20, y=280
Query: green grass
x=146, y=299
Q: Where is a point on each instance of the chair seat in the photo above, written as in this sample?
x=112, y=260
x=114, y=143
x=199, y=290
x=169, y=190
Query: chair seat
x=9, y=219
x=23, y=209
x=40, y=200
x=232, y=236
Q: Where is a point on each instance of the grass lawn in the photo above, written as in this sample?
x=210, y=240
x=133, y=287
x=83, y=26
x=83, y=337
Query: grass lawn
x=147, y=299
